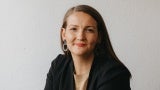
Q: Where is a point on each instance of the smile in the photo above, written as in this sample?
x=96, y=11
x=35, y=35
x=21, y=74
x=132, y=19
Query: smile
x=80, y=44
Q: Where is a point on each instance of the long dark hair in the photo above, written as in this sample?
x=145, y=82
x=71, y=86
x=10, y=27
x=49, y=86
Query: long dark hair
x=103, y=47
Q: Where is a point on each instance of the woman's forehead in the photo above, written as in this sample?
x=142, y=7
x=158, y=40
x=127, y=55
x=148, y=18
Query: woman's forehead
x=77, y=18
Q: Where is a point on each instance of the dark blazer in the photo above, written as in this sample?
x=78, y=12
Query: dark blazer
x=105, y=74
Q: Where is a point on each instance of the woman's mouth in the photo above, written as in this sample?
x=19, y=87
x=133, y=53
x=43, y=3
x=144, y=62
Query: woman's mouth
x=80, y=44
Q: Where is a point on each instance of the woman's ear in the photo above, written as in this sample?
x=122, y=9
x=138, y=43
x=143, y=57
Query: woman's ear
x=63, y=32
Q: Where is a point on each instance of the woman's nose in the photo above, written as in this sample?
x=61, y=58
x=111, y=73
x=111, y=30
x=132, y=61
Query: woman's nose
x=81, y=36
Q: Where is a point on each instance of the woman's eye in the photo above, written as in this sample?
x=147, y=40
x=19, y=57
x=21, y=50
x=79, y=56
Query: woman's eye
x=73, y=29
x=90, y=30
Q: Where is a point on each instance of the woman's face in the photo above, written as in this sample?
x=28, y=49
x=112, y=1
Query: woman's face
x=81, y=34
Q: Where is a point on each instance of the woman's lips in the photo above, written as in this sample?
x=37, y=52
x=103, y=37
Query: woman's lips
x=80, y=44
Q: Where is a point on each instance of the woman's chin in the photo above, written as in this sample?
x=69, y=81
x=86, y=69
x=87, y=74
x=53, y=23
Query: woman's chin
x=80, y=53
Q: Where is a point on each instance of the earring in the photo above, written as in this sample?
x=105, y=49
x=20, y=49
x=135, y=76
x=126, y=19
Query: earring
x=64, y=46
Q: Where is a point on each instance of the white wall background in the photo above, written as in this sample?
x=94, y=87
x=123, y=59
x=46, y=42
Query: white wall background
x=29, y=39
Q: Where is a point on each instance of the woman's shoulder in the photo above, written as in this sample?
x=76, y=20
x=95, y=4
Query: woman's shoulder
x=112, y=74
x=59, y=62
x=55, y=70
x=111, y=67
x=59, y=59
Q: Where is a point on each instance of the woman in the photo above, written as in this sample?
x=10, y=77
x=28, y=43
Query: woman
x=89, y=62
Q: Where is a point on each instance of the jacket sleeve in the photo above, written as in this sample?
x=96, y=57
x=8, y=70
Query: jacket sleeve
x=49, y=80
x=52, y=80
x=52, y=74
x=116, y=80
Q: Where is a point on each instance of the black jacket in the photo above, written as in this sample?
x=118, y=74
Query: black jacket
x=105, y=74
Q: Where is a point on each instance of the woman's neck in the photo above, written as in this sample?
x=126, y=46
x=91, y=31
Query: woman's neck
x=82, y=64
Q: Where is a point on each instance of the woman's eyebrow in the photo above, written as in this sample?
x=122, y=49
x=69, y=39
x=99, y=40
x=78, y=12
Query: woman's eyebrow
x=73, y=25
x=88, y=26
x=91, y=27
